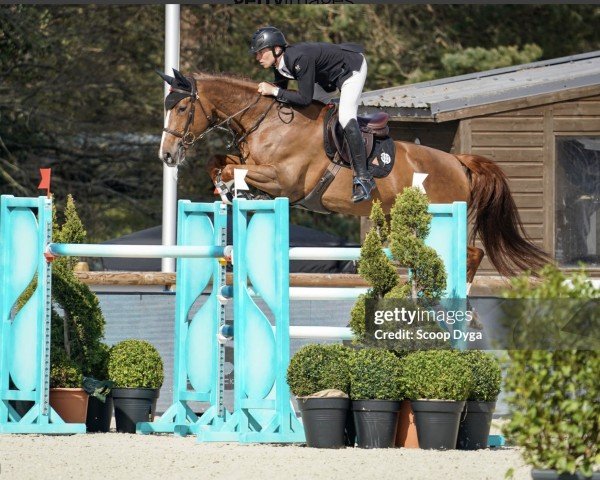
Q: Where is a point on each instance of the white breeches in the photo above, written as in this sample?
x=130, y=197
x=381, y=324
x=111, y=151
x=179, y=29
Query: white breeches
x=349, y=94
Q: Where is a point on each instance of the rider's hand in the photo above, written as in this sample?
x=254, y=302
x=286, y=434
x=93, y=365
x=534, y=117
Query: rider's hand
x=265, y=88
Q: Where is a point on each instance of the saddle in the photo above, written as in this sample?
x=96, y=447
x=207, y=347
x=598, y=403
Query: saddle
x=379, y=147
x=371, y=126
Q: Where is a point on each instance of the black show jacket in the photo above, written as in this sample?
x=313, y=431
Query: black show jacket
x=326, y=64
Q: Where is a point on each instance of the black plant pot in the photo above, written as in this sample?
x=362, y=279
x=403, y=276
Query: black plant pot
x=99, y=414
x=553, y=475
x=437, y=423
x=324, y=421
x=474, y=428
x=133, y=405
x=375, y=422
x=350, y=429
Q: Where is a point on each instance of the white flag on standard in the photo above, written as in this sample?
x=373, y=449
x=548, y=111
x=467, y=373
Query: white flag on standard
x=418, y=179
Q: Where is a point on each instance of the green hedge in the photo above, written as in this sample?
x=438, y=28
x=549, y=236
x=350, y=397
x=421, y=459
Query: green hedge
x=436, y=375
x=135, y=364
x=487, y=376
x=375, y=374
x=319, y=367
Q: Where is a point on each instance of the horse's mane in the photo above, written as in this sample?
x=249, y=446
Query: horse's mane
x=235, y=78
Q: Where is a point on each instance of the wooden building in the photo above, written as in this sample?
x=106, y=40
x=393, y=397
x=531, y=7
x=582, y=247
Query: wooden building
x=540, y=122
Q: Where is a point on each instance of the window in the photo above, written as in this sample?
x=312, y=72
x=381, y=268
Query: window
x=578, y=201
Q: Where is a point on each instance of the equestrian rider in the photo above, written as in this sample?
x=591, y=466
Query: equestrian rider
x=319, y=69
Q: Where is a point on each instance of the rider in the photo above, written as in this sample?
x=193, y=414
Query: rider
x=319, y=68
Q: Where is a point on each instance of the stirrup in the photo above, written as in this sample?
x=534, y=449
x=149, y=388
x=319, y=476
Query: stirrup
x=362, y=188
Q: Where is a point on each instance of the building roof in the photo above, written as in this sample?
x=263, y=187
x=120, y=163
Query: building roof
x=463, y=96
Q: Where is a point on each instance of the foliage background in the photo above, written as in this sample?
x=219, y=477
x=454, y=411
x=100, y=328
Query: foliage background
x=78, y=91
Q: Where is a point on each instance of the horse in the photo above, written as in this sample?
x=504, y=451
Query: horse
x=283, y=151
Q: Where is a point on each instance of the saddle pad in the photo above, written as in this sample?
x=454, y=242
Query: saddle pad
x=381, y=160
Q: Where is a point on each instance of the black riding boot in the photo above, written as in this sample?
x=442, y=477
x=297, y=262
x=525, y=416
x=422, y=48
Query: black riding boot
x=363, y=180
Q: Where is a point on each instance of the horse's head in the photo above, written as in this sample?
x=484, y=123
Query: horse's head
x=182, y=125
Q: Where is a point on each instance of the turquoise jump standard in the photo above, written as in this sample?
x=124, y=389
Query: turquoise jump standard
x=26, y=229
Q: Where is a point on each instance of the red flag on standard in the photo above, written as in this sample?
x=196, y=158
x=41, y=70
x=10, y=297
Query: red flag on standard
x=45, y=181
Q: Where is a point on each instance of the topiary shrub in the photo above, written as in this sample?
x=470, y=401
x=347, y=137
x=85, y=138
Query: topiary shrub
x=135, y=364
x=553, y=396
x=409, y=226
x=436, y=375
x=405, y=235
x=375, y=374
x=77, y=325
x=64, y=372
x=319, y=367
x=487, y=376
x=79, y=328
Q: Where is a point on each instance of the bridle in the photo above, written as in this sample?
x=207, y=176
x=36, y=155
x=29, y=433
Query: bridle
x=188, y=138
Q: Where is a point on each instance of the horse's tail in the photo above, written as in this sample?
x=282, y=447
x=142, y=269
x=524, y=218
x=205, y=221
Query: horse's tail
x=496, y=220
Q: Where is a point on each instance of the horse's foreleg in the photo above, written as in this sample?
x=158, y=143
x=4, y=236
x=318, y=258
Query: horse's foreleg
x=215, y=166
x=262, y=177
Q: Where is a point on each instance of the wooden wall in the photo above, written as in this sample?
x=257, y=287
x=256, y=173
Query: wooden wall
x=522, y=141
x=435, y=135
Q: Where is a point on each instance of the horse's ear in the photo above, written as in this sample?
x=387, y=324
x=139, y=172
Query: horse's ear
x=165, y=77
x=182, y=80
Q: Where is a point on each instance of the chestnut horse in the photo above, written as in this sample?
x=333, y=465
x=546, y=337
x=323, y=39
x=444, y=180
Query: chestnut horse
x=282, y=149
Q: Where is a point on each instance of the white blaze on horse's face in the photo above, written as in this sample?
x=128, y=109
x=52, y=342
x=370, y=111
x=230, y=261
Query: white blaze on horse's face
x=161, y=151
x=172, y=149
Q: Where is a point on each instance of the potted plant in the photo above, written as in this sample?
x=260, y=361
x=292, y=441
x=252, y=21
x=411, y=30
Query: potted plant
x=67, y=397
x=438, y=383
x=77, y=331
x=476, y=421
x=319, y=376
x=136, y=368
x=405, y=235
x=376, y=391
x=100, y=406
x=553, y=394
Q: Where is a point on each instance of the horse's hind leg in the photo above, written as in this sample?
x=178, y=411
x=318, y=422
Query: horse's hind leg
x=474, y=258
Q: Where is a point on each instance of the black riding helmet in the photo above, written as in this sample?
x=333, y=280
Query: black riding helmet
x=266, y=37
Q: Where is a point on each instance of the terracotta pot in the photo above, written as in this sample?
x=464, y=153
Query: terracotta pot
x=70, y=403
x=406, y=434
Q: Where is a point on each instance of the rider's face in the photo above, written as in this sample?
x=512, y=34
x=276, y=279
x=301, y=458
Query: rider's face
x=265, y=57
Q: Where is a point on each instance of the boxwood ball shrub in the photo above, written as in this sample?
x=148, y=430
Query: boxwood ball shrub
x=135, y=364
x=487, y=376
x=436, y=375
x=375, y=374
x=319, y=367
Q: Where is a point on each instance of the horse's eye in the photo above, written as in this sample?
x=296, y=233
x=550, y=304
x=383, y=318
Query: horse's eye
x=181, y=108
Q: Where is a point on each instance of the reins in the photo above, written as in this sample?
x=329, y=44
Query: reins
x=188, y=138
